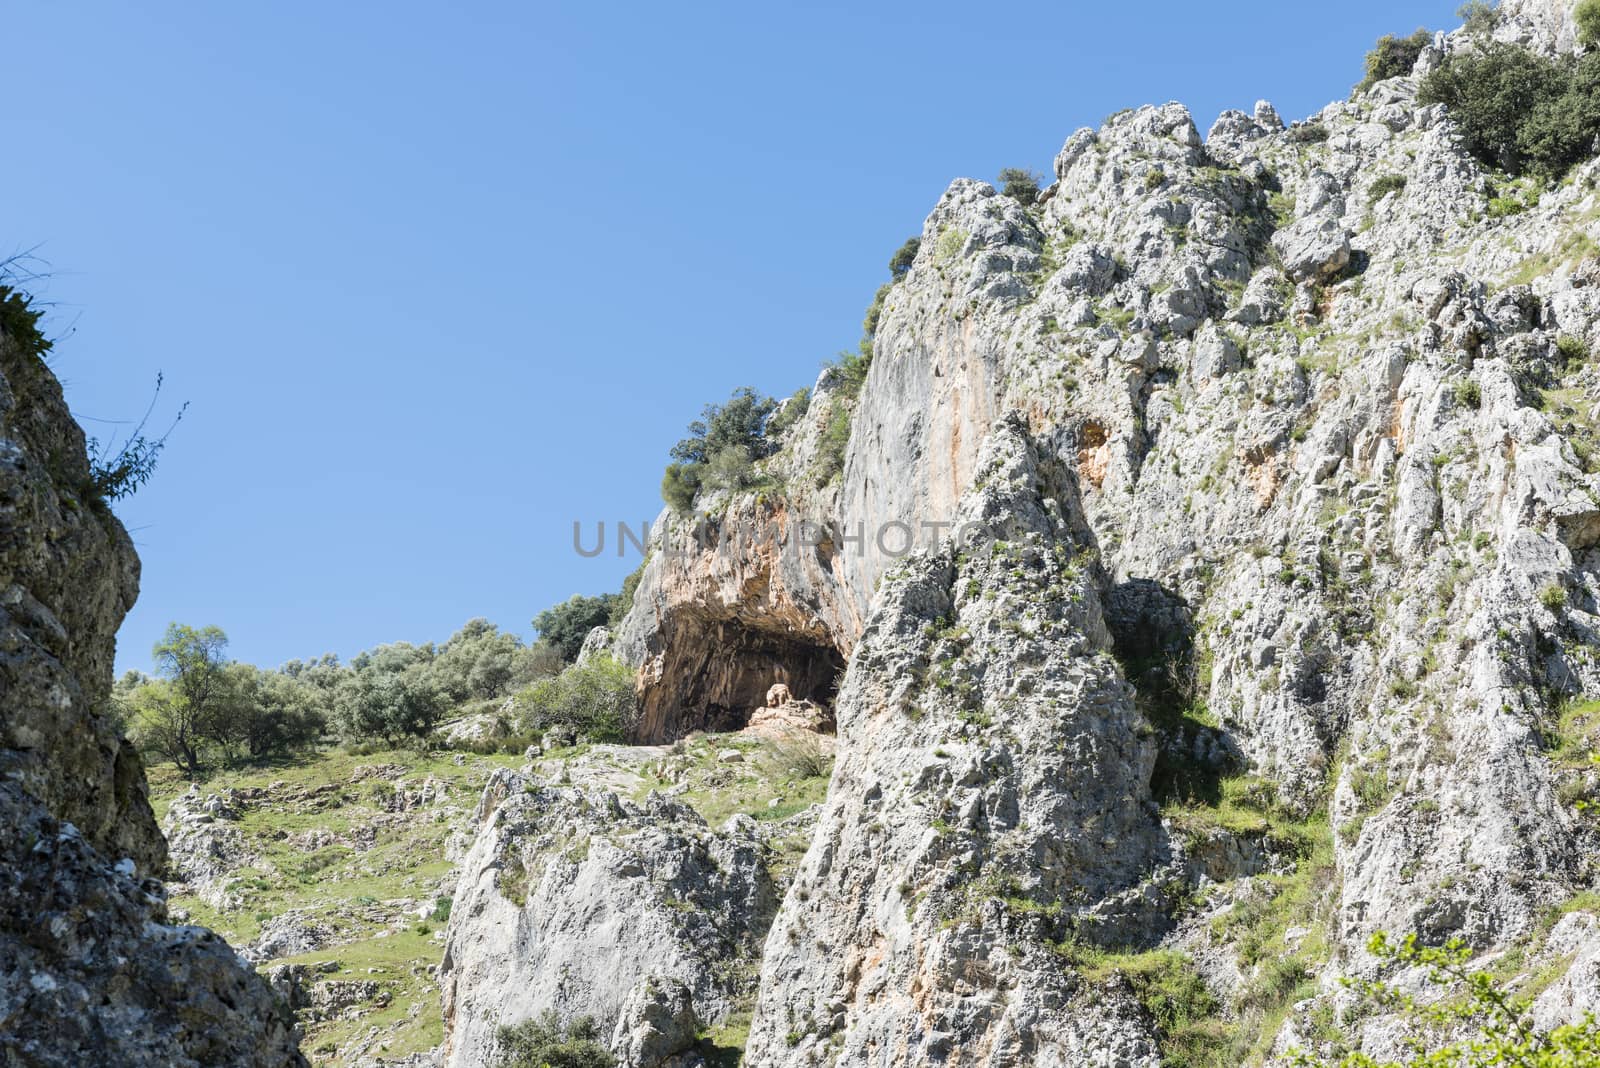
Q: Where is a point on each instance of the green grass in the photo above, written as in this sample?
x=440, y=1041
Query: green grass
x=1193, y=1031
x=1573, y=249
x=342, y=886
x=1573, y=744
x=718, y=791
x=723, y=1046
x=397, y=962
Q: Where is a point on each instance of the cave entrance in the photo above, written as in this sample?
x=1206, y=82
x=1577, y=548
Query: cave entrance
x=716, y=674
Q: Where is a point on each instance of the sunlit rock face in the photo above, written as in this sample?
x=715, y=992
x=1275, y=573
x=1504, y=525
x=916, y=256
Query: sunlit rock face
x=91, y=971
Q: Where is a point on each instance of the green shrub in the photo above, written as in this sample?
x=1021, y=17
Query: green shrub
x=1572, y=349
x=679, y=484
x=478, y=662
x=1477, y=16
x=1467, y=393
x=789, y=413
x=730, y=469
x=1500, y=1030
x=835, y=440
x=1382, y=187
x=1173, y=994
x=594, y=699
x=1518, y=110
x=544, y=1042
x=849, y=372
x=869, y=322
x=623, y=602
x=19, y=322
x=740, y=424
x=740, y=421
x=1394, y=57
x=1587, y=17
x=117, y=471
x=1553, y=596
x=383, y=700
x=903, y=258
x=1020, y=185
x=205, y=707
x=564, y=627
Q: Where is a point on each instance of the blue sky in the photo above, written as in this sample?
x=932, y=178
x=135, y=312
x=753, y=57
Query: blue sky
x=438, y=281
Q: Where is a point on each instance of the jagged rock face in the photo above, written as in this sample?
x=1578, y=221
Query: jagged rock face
x=656, y=1027
x=91, y=972
x=1329, y=422
x=990, y=758
x=1329, y=441
x=1344, y=480
x=68, y=574
x=205, y=846
x=568, y=899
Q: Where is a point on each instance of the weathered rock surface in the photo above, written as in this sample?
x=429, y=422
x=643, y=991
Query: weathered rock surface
x=68, y=574
x=569, y=898
x=989, y=750
x=204, y=848
x=1315, y=454
x=728, y=607
x=1337, y=427
x=657, y=1024
x=91, y=971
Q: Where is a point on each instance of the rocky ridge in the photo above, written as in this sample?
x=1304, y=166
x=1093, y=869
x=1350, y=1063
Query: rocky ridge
x=1320, y=426
x=92, y=969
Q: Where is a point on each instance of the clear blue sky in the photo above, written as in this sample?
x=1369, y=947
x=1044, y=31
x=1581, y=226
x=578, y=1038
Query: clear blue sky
x=440, y=279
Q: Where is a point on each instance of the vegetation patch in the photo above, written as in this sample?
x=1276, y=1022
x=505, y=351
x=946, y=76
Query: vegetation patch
x=1518, y=110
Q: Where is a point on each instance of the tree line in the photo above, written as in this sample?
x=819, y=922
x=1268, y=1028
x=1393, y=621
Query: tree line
x=200, y=708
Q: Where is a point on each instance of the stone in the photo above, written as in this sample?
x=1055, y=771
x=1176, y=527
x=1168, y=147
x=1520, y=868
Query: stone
x=570, y=898
x=879, y=849
x=1346, y=452
x=657, y=1022
x=1313, y=247
x=596, y=643
x=105, y=977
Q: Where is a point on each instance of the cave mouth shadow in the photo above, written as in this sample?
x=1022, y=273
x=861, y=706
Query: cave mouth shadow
x=725, y=669
x=1152, y=636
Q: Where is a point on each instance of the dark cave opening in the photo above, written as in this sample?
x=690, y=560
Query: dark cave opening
x=716, y=674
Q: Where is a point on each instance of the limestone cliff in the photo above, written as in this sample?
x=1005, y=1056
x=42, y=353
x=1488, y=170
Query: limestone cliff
x=91, y=971
x=1288, y=441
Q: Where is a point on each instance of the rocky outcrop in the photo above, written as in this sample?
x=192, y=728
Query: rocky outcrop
x=570, y=898
x=68, y=574
x=1341, y=431
x=91, y=969
x=204, y=845
x=92, y=972
x=992, y=769
x=726, y=607
x=657, y=1026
